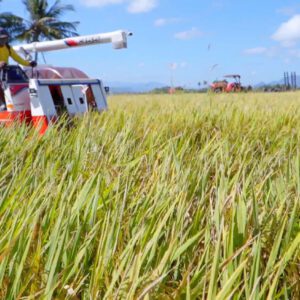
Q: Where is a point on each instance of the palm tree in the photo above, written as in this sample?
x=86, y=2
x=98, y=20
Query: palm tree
x=43, y=23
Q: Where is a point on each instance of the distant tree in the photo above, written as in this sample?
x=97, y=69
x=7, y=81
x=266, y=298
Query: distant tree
x=163, y=90
x=44, y=22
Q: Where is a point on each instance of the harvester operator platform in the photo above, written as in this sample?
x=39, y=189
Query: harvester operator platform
x=7, y=51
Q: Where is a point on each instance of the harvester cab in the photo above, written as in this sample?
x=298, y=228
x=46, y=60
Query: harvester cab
x=41, y=95
x=14, y=93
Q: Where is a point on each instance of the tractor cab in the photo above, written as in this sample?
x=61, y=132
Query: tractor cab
x=234, y=86
x=237, y=78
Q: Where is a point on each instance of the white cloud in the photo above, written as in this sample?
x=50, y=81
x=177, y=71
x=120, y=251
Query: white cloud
x=270, y=52
x=163, y=22
x=289, y=10
x=295, y=53
x=160, y=22
x=140, y=6
x=218, y=4
x=256, y=51
x=189, y=34
x=174, y=66
x=288, y=34
x=100, y=3
x=134, y=6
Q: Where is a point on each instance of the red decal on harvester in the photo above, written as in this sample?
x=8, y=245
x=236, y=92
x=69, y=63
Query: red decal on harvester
x=15, y=89
x=71, y=43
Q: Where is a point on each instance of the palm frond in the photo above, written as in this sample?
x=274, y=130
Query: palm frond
x=36, y=8
x=25, y=35
x=13, y=24
x=45, y=20
x=64, y=26
x=44, y=23
x=58, y=9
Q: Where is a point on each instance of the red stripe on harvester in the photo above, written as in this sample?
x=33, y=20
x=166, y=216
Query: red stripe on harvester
x=40, y=123
x=71, y=43
x=8, y=117
x=15, y=89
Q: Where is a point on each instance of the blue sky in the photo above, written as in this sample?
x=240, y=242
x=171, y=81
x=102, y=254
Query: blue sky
x=191, y=40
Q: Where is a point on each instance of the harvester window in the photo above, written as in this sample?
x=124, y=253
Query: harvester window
x=90, y=98
x=69, y=101
x=81, y=100
x=58, y=99
x=14, y=74
x=2, y=100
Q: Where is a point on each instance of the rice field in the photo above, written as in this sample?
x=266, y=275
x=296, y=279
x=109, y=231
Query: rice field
x=161, y=197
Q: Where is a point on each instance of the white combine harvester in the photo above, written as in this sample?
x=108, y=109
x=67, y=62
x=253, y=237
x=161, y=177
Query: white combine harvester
x=41, y=95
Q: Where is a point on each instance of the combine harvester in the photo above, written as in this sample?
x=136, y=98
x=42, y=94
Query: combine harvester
x=41, y=95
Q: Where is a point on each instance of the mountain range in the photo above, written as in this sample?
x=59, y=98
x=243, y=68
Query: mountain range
x=281, y=82
x=140, y=87
x=133, y=88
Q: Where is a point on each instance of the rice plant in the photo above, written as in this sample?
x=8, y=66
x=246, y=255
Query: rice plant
x=161, y=197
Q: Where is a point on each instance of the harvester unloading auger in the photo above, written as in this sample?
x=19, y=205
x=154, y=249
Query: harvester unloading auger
x=39, y=97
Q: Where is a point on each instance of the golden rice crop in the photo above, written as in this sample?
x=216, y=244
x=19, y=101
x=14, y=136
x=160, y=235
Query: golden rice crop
x=161, y=197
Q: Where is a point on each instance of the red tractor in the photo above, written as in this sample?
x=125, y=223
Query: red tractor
x=224, y=86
